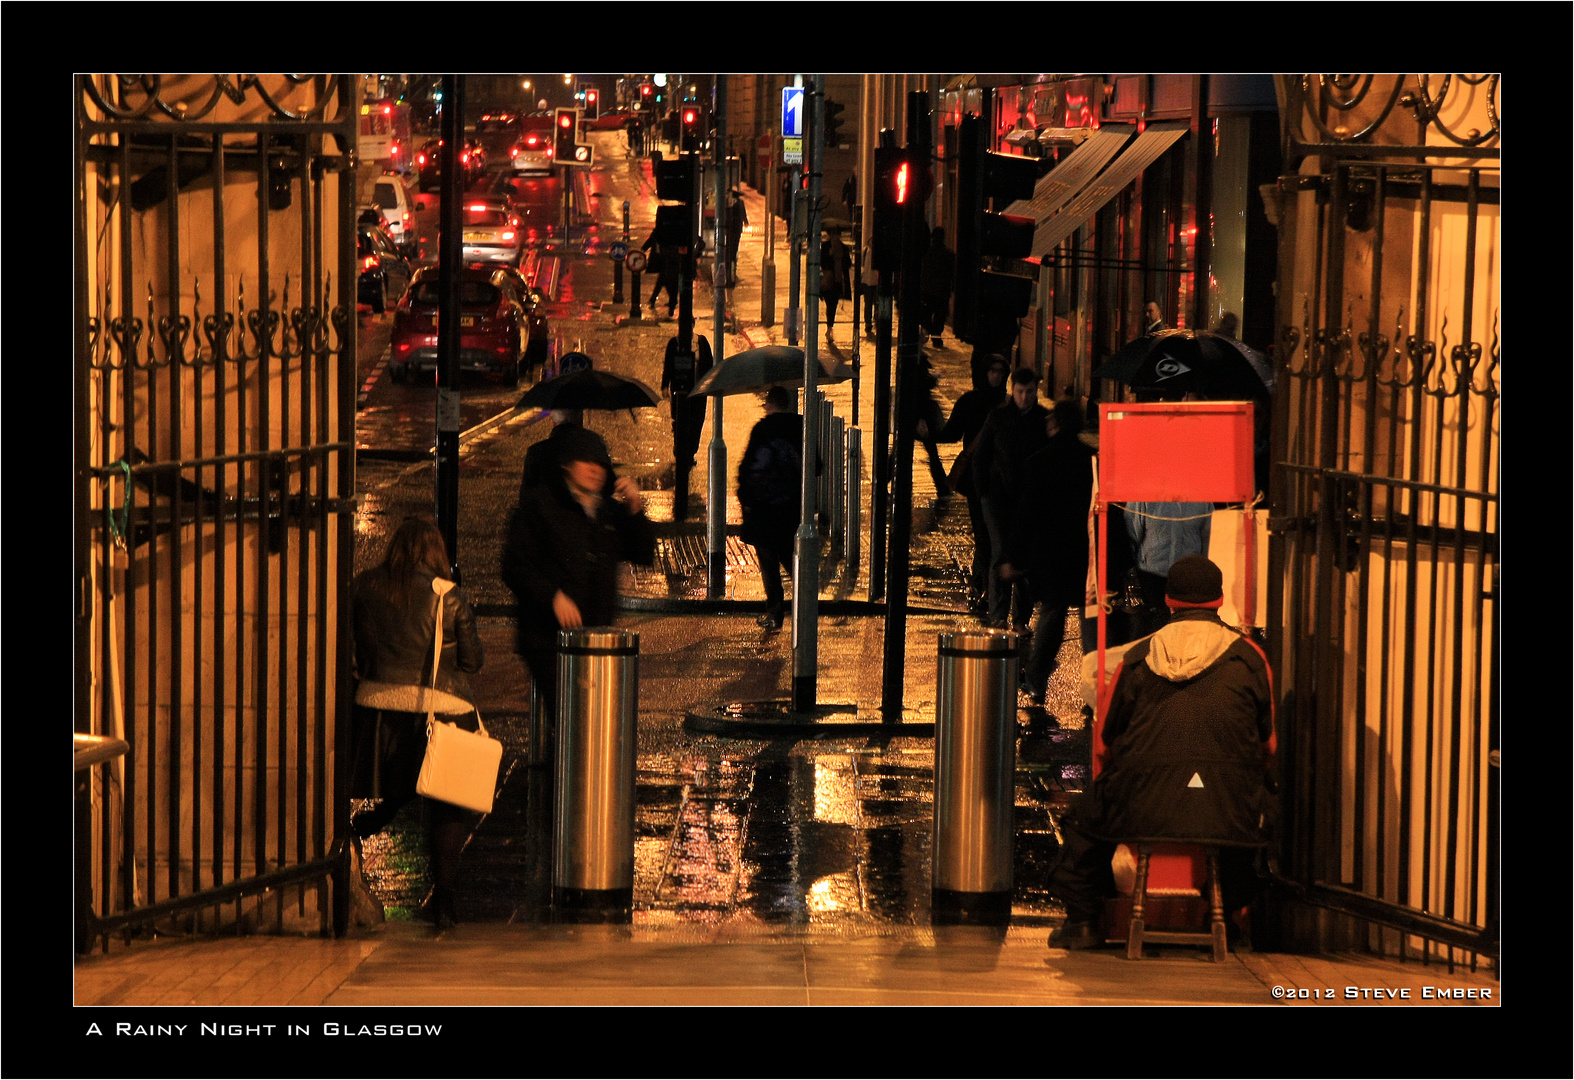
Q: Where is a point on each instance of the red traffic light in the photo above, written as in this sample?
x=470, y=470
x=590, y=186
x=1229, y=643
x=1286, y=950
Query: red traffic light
x=690, y=115
x=590, y=95
x=565, y=119
x=645, y=89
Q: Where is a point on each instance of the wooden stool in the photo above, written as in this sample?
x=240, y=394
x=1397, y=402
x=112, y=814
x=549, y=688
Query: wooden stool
x=1213, y=936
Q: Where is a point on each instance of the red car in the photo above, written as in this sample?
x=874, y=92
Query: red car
x=494, y=325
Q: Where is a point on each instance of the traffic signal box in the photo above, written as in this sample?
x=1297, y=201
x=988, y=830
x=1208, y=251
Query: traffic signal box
x=675, y=183
x=565, y=133
x=989, y=300
x=592, y=103
x=691, y=128
x=902, y=183
x=833, y=122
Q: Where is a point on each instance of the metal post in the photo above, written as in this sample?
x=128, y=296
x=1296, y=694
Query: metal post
x=450, y=246
x=854, y=522
x=794, y=275
x=908, y=353
x=768, y=267
x=716, y=479
x=837, y=493
x=806, y=556
x=975, y=777
x=593, y=822
x=617, y=267
x=822, y=482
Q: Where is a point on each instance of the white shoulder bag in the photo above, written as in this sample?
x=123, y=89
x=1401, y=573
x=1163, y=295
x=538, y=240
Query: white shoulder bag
x=460, y=767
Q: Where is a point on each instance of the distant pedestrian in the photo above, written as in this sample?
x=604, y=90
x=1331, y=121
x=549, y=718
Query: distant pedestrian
x=850, y=195
x=1013, y=432
x=636, y=136
x=663, y=265
x=966, y=422
x=836, y=273
x=565, y=540
x=770, y=479
x=679, y=372
x=1047, y=541
x=935, y=280
x=395, y=609
x=737, y=220
x=868, y=283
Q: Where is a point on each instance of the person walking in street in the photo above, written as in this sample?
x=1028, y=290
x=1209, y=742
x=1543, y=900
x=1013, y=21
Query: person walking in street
x=868, y=285
x=966, y=421
x=565, y=540
x=1047, y=541
x=395, y=612
x=679, y=372
x=541, y=459
x=1013, y=432
x=836, y=273
x=935, y=279
x=1184, y=751
x=737, y=220
x=770, y=479
x=663, y=266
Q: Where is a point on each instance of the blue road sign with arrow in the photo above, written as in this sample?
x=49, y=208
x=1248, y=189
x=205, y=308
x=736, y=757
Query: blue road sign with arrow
x=792, y=112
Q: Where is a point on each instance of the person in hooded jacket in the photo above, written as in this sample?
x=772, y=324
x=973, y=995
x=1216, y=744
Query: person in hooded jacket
x=1184, y=753
x=565, y=540
x=966, y=421
x=394, y=611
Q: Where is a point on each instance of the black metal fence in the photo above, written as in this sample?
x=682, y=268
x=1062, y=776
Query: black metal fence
x=214, y=473
x=1386, y=526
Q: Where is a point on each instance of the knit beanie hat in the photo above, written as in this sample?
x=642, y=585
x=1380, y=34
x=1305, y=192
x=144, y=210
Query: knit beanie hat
x=578, y=444
x=1194, y=581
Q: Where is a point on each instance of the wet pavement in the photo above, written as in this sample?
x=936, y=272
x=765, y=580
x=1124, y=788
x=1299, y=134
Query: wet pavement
x=831, y=832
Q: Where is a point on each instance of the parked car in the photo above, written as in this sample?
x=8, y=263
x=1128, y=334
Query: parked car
x=490, y=231
x=492, y=325
x=392, y=198
x=534, y=305
x=532, y=152
x=385, y=273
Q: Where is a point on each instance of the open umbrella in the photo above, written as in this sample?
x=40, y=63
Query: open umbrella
x=1125, y=361
x=1187, y=361
x=588, y=388
x=759, y=369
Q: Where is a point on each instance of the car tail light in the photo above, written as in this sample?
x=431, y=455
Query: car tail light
x=477, y=206
x=370, y=262
x=509, y=235
x=549, y=151
x=513, y=151
x=420, y=159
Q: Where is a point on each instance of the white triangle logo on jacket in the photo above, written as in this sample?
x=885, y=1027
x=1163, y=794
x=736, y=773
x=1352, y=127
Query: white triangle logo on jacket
x=1196, y=780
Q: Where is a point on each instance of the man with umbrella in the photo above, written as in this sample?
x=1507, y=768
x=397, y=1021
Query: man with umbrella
x=769, y=485
x=565, y=539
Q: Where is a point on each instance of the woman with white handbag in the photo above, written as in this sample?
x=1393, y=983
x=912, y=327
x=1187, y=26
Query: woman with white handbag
x=412, y=671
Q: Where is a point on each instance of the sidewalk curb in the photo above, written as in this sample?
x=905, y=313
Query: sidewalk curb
x=775, y=719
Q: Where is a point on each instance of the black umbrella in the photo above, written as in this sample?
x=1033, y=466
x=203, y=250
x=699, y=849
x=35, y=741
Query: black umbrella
x=1128, y=358
x=759, y=369
x=1212, y=366
x=588, y=388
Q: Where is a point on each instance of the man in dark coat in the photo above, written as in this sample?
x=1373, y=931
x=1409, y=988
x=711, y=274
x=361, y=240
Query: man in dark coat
x=1012, y=434
x=770, y=479
x=680, y=370
x=966, y=421
x=1047, y=543
x=565, y=541
x=1184, y=752
x=935, y=279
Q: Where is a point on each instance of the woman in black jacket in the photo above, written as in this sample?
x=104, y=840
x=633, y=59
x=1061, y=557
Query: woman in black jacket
x=395, y=608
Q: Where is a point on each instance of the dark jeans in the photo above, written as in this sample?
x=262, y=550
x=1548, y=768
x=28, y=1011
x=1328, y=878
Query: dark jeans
x=933, y=314
x=1006, y=601
x=1048, y=637
x=402, y=738
x=775, y=556
x=979, y=581
x=671, y=285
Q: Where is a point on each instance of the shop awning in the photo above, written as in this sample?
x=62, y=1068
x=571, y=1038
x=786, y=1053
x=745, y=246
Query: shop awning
x=1094, y=191
x=1058, y=186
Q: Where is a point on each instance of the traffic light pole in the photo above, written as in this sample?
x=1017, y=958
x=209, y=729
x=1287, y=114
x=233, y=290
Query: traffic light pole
x=450, y=249
x=716, y=480
x=908, y=351
x=880, y=494
x=806, y=559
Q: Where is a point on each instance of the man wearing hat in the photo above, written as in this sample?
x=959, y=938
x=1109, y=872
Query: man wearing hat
x=565, y=541
x=1183, y=753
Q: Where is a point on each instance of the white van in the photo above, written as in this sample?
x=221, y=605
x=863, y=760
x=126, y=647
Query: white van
x=393, y=200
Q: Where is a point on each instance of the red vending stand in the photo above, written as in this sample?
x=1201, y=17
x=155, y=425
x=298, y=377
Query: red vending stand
x=1172, y=451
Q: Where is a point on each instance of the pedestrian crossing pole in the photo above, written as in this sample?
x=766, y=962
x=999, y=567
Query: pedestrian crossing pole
x=806, y=557
x=716, y=481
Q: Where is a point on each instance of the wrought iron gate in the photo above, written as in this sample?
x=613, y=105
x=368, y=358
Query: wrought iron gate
x=214, y=411
x=1386, y=505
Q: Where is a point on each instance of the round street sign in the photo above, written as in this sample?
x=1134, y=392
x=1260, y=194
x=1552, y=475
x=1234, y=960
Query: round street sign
x=618, y=251
x=636, y=261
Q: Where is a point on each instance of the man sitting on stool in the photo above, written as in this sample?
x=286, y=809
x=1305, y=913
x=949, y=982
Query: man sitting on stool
x=1183, y=754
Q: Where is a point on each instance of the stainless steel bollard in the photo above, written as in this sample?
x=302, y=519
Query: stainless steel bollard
x=593, y=841
x=837, y=471
x=854, y=517
x=975, y=777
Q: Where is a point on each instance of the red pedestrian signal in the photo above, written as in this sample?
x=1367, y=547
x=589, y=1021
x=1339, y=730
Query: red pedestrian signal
x=900, y=181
